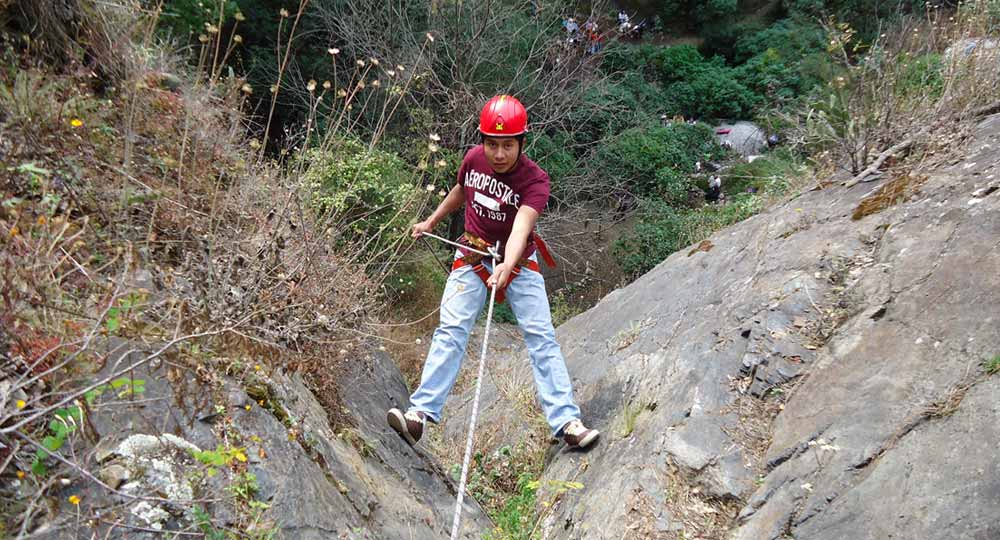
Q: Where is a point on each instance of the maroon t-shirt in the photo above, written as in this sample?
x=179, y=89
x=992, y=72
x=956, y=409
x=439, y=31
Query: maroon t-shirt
x=492, y=199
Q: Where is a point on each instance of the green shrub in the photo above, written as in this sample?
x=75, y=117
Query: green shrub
x=767, y=174
x=790, y=38
x=662, y=230
x=922, y=75
x=607, y=108
x=656, y=159
x=371, y=191
x=552, y=153
x=187, y=18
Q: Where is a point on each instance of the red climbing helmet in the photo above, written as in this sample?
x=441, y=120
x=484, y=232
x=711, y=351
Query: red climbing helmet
x=503, y=116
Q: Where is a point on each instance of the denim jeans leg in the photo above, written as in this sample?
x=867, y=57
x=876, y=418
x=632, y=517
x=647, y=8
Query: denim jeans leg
x=464, y=295
x=530, y=304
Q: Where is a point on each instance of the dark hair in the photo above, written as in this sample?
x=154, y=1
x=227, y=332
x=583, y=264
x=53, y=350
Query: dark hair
x=520, y=140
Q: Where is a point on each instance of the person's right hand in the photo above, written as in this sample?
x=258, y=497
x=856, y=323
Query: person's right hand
x=420, y=228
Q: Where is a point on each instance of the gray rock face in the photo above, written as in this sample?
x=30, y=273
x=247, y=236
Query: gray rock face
x=809, y=377
x=349, y=477
x=746, y=138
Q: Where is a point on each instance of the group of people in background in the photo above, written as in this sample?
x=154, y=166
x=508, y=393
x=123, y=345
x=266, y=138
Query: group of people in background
x=590, y=33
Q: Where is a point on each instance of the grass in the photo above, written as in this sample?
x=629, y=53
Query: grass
x=993, y=365
x=630, y=417
x=516, y=519
x=626, y=337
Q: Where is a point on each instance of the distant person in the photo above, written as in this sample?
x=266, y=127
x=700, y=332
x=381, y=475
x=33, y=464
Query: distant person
x=773, y=140
x=714, y=189
x=623, y=22
x=595, y=40
x=503, y=192
x=572, y=30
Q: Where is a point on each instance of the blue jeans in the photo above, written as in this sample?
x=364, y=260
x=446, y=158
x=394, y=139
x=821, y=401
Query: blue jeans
x=463, y=300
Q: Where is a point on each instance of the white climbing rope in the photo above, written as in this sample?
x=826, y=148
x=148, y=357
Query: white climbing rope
x=475, y=402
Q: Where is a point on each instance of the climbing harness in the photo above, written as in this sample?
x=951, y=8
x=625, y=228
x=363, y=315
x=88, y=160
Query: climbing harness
x=475, y=260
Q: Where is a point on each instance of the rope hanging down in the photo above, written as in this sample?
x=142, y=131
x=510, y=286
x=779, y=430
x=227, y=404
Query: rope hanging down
x=475, y=402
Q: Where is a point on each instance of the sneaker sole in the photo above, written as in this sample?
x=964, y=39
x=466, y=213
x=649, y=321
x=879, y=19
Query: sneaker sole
x=398, y=422
x=589, y=439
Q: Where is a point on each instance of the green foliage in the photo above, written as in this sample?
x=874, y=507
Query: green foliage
x=921, y=75
x=204, y=523
x=655, y=159
x=63, y=423
x=694, y=14
x=662, y=230
x=126, y=387
x=117, y=314
x=220, y=457
x=372, y=191
x=630, y=417
x=516, y=519
x=552, y=153
x=993, y=365
x=688, y=82
x=244, y=487
x=864, y=15
x=497, y=477
x=767, y=174
x=503, y=313
x=187, y=18
x=607, y=108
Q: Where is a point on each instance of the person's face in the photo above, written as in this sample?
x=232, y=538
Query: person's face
x=501, y=153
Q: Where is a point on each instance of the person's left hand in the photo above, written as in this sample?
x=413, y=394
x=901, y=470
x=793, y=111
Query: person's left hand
x=501, y=273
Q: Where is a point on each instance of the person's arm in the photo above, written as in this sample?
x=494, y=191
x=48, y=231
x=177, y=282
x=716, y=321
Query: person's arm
x=524, y=223
x=454, y=201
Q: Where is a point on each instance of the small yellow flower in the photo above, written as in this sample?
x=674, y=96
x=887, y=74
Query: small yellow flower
x=433, y=147
x=434, y=137
x=400, y=68
x=256, y=367
x=376, y=84
x=360, y=63
x=422, y=165
x=333, y=51
x=239, y=16
x=20, y=475
x=361, y=84
x=440, y=163
x=247, y=407
x=76, y=122
x=237, y=39
x=211, y=29
x=430, y=37
x=247, y=89
x=74, y=500
x=441, y=193
x=374, y=61
x=391, y=73
x=283, y=13
x=311, y=85
x=429, y=188
x=327, y=85
x=342, y=93
x=21, y=404
x=42, y=220
x=274, y=89
x=203, y=38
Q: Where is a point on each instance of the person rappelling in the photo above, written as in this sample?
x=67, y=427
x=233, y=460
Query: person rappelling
x=503, y=192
